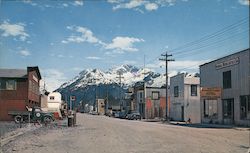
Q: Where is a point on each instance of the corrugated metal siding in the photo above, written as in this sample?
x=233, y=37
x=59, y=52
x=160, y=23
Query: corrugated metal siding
x=240, y=76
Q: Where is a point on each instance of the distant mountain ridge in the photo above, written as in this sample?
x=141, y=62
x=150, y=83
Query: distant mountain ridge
x=90, y=84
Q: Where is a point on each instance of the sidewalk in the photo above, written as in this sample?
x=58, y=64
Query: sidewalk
x=204, y=125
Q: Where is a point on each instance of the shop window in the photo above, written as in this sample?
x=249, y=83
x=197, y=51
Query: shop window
x=176, y=91
x=193, y=90
x=227, y=82
x=155, y=95
x=228, y=108
x=210, y=108
x=245, y=107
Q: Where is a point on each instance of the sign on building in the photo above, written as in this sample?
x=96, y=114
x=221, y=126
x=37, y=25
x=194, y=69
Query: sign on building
x=211, y=93
x=227, y=63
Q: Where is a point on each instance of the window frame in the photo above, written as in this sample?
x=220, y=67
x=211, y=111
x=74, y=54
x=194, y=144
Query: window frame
x=227, y=79
x=176, y=91
x=196, y=91
x=153, y=95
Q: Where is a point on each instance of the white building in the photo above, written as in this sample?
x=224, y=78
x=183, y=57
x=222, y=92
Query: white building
x=185, y=98
x=55, y=102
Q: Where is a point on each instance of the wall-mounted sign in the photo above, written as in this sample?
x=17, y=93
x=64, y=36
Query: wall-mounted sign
x=227, y=63
x=211, y=93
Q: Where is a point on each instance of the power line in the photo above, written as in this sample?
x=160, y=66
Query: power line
x=217, y=33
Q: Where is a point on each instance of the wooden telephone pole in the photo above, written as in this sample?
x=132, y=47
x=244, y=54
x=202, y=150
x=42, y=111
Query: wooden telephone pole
x=165, y=58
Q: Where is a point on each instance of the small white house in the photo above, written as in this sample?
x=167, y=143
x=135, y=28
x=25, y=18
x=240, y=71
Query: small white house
x=185, y=98
x=55, y=102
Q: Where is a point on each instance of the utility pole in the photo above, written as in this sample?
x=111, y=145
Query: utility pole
x=165, y=58
x=120, y=83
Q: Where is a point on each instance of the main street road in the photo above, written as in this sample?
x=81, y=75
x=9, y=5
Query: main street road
x=100, y=134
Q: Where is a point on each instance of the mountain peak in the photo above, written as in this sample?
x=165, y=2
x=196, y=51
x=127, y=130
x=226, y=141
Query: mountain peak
x=131, y=74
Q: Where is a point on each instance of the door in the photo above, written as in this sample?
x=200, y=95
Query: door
x=182, y=113
x=228, y=111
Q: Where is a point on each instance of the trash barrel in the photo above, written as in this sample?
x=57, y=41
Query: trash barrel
x=70, y=121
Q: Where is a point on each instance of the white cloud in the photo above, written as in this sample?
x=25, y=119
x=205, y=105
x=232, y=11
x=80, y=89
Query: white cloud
x=60, y=56
x=78, y=3
x=244, y=2
x=15, y=30
x=30, y=2
x=86, y=35
x=93, y=58
x=138, y=5
x=130, y=5
x=65, y=5
x=53, y=78
x=123, y=44
x=151, y=6
x=24, y=53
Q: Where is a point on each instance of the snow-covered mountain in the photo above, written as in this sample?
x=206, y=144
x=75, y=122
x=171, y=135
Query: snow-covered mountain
x=130, y=75
x=94, y=83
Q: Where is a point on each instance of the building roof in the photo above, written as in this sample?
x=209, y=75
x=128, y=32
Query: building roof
x=18, y=73
x=248, y=49
x=13, y=73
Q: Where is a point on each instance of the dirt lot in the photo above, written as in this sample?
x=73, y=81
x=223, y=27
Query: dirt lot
x=100, y=134
x=6, y=127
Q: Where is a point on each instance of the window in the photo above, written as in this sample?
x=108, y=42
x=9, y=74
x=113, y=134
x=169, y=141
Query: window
x=51, y=97
x=7, y=84
x=228, y=108
x=2, y=84
x=11, y=85
x=227, y=82
x=210, y=108
x=176, y=91
x=193, y=90
x=245, y=107
x=155, y=95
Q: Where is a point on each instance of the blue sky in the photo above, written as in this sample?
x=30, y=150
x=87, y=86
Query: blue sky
x=65, y=37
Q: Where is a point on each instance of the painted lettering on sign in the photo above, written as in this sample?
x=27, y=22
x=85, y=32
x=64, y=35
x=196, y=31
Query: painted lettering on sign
x=227, y=63
x=211, y=93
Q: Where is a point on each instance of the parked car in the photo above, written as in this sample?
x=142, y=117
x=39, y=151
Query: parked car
x=122, y=115
x=133, y=116
x=116, y=114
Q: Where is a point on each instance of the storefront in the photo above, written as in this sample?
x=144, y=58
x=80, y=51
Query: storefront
x=225, y=92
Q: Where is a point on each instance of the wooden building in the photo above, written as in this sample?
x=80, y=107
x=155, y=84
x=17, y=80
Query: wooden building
x=18, y=88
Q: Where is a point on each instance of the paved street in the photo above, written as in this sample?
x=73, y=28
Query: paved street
x=100, y=134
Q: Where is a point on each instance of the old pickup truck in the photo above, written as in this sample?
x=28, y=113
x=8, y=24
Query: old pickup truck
x=34, y=114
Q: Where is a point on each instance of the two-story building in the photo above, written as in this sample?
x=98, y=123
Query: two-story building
x=185, y=97
x=18, y=88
